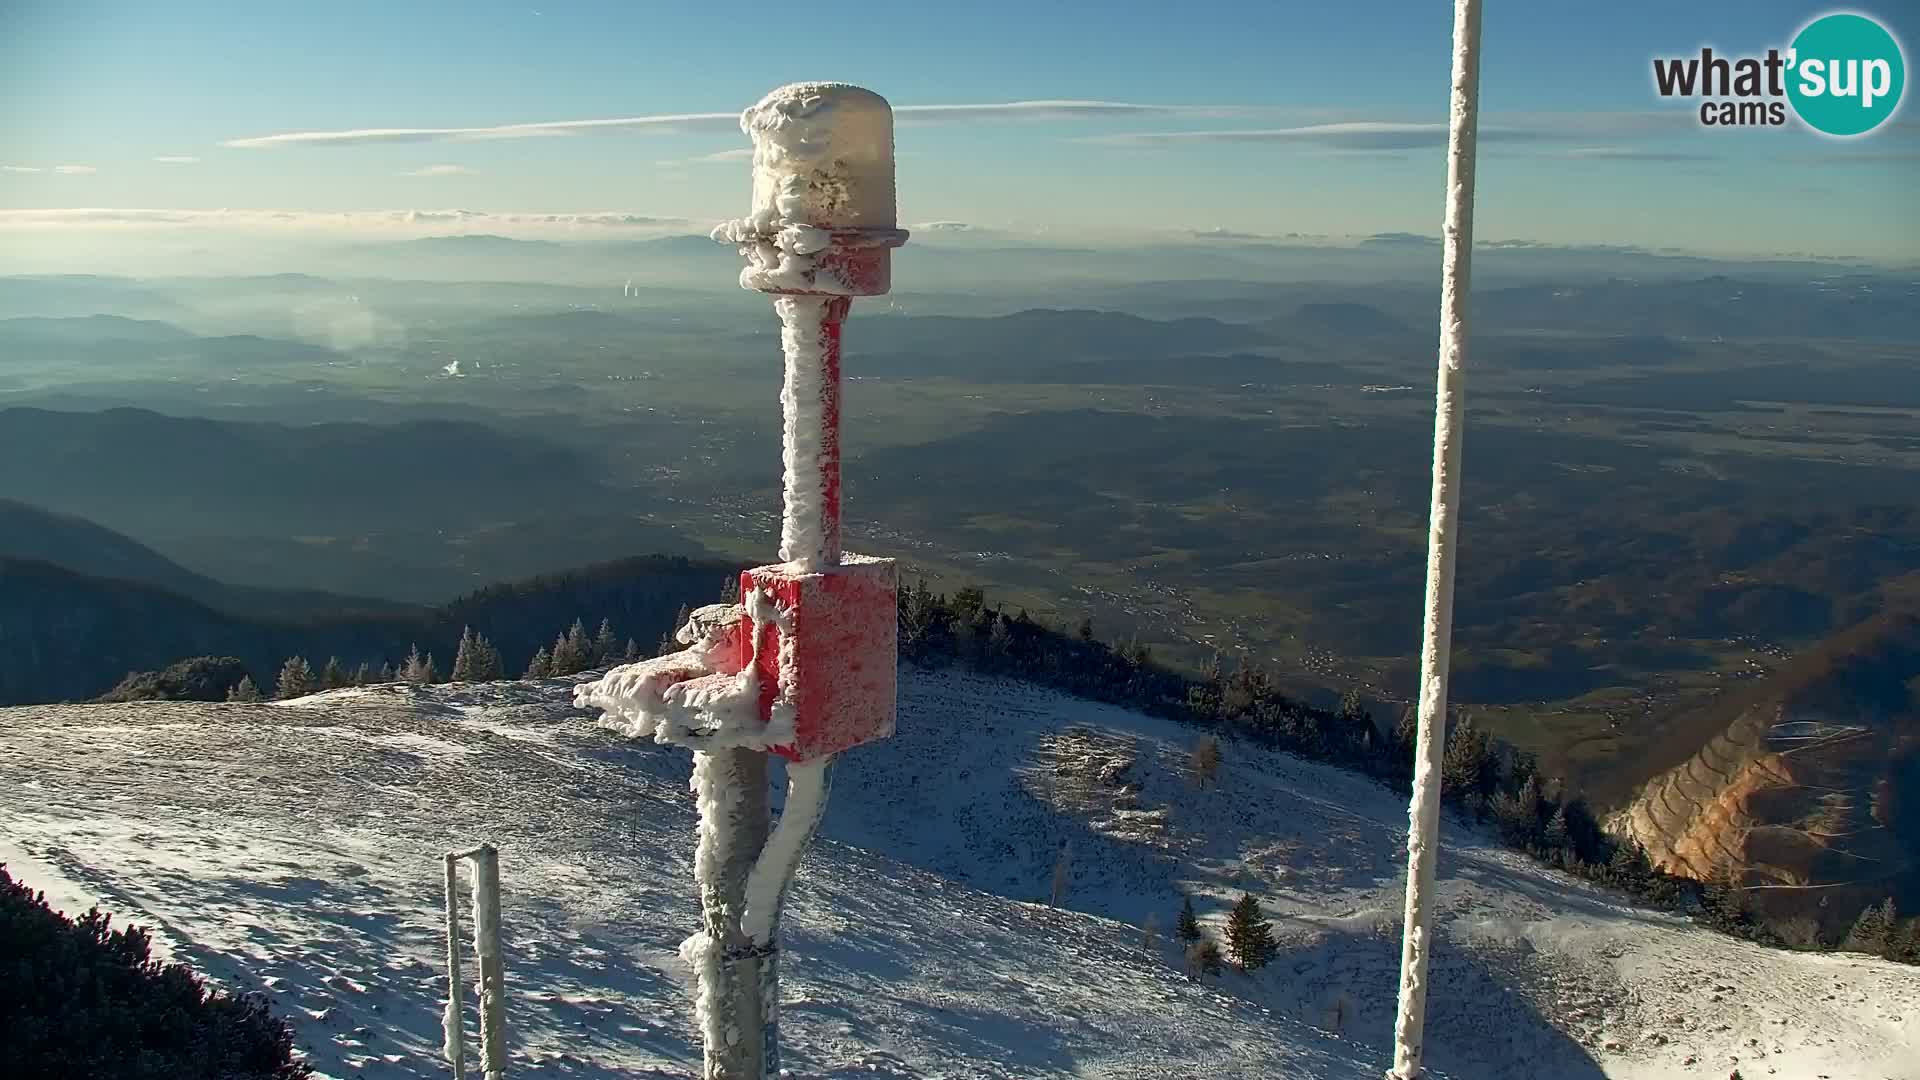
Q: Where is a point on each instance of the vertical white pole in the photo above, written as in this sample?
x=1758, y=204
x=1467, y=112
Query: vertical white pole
x=493, y=990
x=731, y=785
x=454, y=1043
x=1423, y=815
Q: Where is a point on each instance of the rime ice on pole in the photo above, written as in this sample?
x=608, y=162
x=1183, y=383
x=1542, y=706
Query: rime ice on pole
x=805, y=666
x=823, y=217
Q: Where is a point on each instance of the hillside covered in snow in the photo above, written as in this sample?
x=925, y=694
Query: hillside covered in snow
x=293, y=849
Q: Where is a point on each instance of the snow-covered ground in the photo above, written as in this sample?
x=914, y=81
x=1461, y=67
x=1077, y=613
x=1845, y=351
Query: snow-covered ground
x=294, y=849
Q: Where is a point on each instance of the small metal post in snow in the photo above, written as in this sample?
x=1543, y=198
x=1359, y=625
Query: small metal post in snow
x=492, y=978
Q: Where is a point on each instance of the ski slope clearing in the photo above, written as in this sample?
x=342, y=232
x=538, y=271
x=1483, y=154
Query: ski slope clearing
x=293, y=849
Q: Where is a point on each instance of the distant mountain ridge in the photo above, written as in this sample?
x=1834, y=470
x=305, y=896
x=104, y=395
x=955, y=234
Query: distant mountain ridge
x=89, y=328
x=66, y=635
x=125, y=467
x=32, y=534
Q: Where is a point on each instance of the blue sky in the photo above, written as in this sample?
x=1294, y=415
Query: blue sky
x=1579, y=148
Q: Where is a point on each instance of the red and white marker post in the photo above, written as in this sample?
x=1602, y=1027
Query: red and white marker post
x=805, y=666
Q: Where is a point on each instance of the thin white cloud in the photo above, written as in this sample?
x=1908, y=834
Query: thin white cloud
x=344, y=221
x=177, y=159
x=439, y=170
x=1345, y=135
x=722, y=121
x=75, y=170
x=21, y=168
x=742, y=153
x=1388, y=136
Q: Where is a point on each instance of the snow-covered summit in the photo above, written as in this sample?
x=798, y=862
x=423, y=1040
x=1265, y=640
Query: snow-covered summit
x=294, y=849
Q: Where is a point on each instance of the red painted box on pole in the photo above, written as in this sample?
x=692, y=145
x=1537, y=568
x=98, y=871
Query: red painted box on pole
x=834, y=662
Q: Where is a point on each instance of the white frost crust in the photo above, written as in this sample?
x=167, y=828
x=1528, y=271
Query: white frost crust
x=718, y=798
x=778, y=861
x=1423, y=813
x=804, y=539
x=700, y=697
x=822, y=161
x=453, y=1040
x=486, y=945
x=823, y=156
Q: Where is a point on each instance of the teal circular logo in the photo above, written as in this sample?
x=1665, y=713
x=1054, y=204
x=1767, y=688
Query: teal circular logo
x=1846, y=74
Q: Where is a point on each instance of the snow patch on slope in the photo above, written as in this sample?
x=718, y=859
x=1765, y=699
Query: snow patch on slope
x=306, y=865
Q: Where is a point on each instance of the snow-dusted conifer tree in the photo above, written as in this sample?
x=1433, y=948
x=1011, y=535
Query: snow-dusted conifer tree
x=414, y=669
x=487, y=665
x=1873, y=930
x=245, y=690
x=464, y=657
x=605, y=645
x=579, y=649
x=541, y=666
x=333, y=676
x=1249, y=934
x=1187, y=927
x=296, y=678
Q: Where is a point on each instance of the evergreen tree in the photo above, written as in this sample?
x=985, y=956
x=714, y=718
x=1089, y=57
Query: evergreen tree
x=487, y=665
x=333, y=676
x=1406, y=735
x=386, y=673
x=464, y=657
x=1873, y=932
x=1249, y=934
x=1726, y=905
x=296, y=679
x=1904, y=944
x=362, y=675
x=414, y=670
x=541, y=666
x=244, y=690
x=633, y=651
x=1555, y=837
x=1187, y=927
x=1468, y=768
x=572, y=651
x=430, y=674
x=604, y=644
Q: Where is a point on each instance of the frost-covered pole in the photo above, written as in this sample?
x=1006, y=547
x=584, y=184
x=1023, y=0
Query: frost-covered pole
x=806, y=665
x=822, y=224
x=486, y=944
x=1423, y=816
x=493, y=976
x=454, y=1043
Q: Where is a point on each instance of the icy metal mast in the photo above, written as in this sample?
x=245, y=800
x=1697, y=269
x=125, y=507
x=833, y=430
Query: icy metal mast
x=1423, y=816
x=805, y=666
